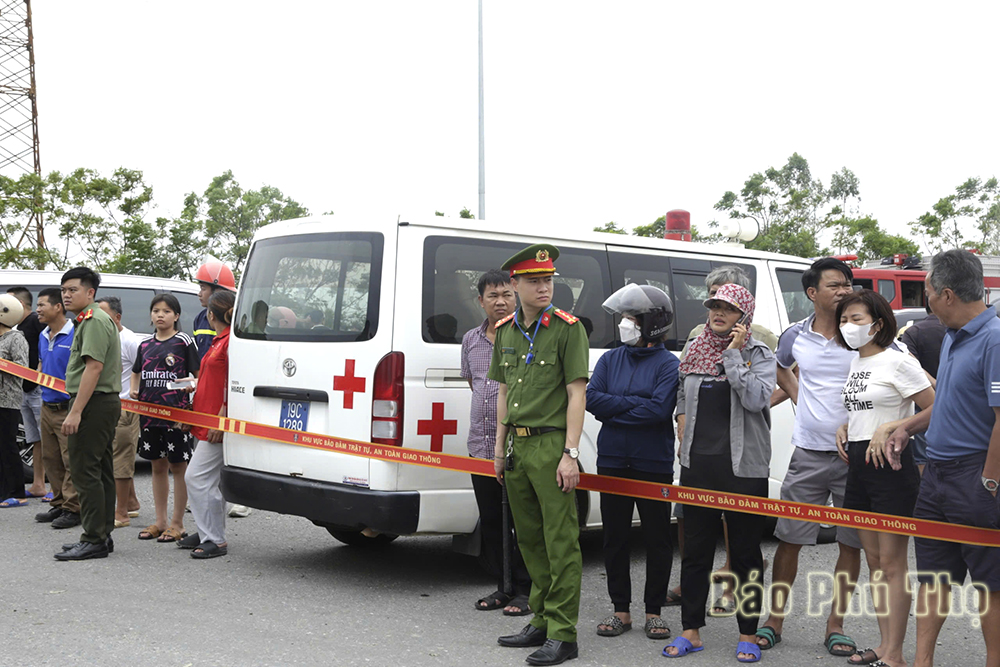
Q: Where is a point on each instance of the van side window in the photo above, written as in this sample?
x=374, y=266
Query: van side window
x=797, y=304
x=682, y=278
x=450, y=297
x=315, y=287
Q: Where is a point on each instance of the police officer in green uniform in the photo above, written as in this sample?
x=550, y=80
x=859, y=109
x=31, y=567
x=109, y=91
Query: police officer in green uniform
x=540, y=360
x=93, y=380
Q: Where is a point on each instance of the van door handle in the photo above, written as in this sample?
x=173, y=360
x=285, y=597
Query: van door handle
x=292, y=394
x=445, y=378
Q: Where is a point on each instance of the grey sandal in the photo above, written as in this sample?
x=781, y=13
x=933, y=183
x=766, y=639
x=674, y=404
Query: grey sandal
x=614, y=627
x=656, y=623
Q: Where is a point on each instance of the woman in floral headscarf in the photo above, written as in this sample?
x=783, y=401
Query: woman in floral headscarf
x=723, y=405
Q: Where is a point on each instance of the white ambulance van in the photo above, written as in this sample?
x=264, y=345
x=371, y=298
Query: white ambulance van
x=354, y=329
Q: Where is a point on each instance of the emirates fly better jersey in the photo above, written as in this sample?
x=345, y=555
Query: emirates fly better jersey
x=161, y=361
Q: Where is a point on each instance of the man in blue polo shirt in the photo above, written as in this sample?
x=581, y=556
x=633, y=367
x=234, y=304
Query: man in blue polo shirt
x=53, y=350
x=960, y=479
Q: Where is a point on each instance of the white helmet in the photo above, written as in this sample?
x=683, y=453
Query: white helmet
x=11, y=310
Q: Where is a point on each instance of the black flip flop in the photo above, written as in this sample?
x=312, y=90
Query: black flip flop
x=773, y=638
x=192, y=541
x=521, y=602
x=209, y=549
x=494, y=600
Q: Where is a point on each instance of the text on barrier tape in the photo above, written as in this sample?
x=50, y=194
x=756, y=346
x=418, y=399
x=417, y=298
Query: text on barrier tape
x=735, y=502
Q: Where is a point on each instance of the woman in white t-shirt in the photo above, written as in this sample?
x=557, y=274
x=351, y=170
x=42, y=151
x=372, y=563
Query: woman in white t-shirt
x=881, y=389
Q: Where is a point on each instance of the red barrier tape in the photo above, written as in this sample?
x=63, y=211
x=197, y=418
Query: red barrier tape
x=615, y=485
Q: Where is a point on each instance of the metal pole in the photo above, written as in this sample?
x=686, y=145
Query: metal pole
x=505, y=508
x=482, y=140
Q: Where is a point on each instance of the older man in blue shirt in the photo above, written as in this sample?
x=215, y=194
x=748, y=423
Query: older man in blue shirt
x=960, y=480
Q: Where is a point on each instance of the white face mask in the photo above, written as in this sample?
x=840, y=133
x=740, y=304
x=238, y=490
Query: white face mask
x=857, y=335
x=629, y=332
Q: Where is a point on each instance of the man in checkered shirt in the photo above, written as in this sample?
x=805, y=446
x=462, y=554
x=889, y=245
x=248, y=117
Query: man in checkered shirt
x=496, y=298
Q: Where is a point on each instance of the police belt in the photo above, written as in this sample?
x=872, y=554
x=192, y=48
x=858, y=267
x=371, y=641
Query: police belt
x=528, y=431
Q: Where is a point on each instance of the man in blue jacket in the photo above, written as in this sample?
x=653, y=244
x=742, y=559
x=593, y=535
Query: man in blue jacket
x=632, y=393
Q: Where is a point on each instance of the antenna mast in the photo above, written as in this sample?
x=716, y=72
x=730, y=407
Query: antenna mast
x=19, y=113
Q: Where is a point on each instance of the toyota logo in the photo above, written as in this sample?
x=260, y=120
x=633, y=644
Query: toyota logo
x=288, y=367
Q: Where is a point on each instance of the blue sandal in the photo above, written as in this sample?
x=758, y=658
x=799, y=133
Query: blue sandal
x=748, y=647
x=683, y=647
x=13, y=502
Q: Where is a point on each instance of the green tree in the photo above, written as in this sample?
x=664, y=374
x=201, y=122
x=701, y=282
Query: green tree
x=654, y=230
x=787, y=205
x=610, y=228
x=20, y=199
x=968, y=217
x=864, y=237
x=230, y=215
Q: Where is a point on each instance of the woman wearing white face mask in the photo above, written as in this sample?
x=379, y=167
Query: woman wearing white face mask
x=632, y=393
x=727, y=378
x=879, y=395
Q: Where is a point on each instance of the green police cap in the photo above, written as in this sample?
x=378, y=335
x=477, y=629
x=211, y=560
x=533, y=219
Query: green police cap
x=535, y=260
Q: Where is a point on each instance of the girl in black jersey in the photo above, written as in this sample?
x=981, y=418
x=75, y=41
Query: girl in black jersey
x=166, y=357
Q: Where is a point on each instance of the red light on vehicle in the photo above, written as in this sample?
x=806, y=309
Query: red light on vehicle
x=677, y=226
x=387, y=400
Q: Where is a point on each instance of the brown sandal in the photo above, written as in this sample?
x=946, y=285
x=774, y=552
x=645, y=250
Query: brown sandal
x=171, y=535
x=150, y=532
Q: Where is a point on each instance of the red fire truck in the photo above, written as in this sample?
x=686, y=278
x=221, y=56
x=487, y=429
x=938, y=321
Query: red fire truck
x=900, y=278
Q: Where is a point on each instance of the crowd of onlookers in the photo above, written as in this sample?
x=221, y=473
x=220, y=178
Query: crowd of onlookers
x=83, y=443
x=898, y=423
x=857, y=440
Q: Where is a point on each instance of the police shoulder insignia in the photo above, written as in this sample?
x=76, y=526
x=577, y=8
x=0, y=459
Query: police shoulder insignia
x=504, y=321
x=85, y=315
x=566, y=317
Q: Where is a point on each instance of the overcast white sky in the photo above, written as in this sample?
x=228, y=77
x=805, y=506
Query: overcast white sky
x=594, y=111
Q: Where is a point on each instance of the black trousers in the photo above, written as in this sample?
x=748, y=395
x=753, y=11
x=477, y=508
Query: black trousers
x=616, y=515
x=91, y=462
x=489, y=497
x=11, y=472
x=702, y=528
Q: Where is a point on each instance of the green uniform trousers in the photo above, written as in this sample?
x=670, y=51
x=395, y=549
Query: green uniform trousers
x=91, y=462
x=548, y=533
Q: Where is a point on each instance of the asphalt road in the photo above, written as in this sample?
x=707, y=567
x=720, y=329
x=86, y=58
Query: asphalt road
x=289, y=594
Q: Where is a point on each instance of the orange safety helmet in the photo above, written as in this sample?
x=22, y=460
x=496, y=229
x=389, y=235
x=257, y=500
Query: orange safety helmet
x=214, y=272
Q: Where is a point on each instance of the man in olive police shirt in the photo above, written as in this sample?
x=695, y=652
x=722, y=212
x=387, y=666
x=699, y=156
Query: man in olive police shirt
x=540, y=359
x=93, y=380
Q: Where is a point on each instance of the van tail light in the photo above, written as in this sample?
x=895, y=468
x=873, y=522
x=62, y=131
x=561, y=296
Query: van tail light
x=387, y=401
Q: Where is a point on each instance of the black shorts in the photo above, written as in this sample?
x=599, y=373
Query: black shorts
x=171, y=444
x=882, y=490
x=953, y=492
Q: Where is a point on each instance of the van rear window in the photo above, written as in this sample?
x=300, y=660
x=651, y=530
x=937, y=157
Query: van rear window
x=316, y=287
x=452, y=267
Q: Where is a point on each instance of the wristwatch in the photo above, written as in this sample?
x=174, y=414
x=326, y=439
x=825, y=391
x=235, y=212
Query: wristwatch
x=991, y=484
x=574, y=453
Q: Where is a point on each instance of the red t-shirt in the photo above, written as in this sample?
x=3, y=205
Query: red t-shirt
x=212, y=381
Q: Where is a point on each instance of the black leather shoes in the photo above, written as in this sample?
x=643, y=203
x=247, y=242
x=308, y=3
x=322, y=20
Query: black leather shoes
x=48, y=515
x=528, y=636
x=84, y=551
x=553, y=652
x=110, y=542
x=66, y=520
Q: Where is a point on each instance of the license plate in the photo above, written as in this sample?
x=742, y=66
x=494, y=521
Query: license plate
x=294, y=415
